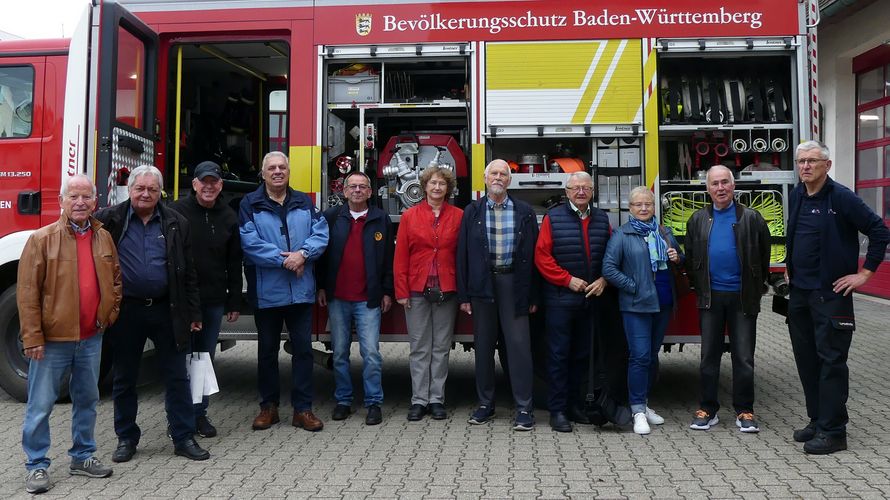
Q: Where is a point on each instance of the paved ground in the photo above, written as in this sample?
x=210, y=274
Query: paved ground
x=451, y=459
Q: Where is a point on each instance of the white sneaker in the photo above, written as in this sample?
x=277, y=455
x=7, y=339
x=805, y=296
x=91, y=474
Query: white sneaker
x=653, y=418
x=641, y=426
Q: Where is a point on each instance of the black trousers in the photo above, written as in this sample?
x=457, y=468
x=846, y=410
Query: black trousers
x=820, y=351
x=726, y=314
x=138, y=322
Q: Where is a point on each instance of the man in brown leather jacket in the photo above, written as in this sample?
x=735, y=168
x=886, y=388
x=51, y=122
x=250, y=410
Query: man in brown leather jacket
x=69, y=291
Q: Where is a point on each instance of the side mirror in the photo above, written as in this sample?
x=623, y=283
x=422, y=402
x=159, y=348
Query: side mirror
x=24, y=110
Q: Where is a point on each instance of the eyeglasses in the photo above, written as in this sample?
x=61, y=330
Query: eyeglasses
x=809, y=161
x=642, y=204
x=358, y=187
x=583, y=189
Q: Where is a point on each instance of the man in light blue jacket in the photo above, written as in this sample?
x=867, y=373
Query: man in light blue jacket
x=282, y=236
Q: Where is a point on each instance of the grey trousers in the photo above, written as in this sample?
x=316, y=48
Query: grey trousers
x=516, y=340
x=430, y=333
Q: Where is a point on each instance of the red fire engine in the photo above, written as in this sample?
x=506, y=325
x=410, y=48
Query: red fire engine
x=634, y=92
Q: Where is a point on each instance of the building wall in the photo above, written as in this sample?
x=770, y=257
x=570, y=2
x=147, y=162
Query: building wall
x=838, y=43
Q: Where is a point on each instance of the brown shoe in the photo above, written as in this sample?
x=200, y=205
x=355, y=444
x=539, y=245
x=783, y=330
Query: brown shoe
x=307, y=420
x=268, y=416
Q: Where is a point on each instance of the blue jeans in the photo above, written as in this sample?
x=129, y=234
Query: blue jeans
x=342, y=313
x=205, y=341
x=45, y=380
x=645, y=334
x=269, y=323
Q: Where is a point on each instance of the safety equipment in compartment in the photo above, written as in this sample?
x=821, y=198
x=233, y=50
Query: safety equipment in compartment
x=406, y=156
x=567, y=165
x=678, y=207
x=344, y=163
x=532, y=163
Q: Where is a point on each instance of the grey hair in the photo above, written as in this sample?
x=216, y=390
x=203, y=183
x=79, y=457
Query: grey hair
x=143, y=170
x=497, y=161
x=641, y=190
x=808, y=145
x=721, y=167
x=67, y=180
x=272, y=154
x=583, y=176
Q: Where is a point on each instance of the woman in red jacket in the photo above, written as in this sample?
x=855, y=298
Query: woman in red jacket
x=425, y=283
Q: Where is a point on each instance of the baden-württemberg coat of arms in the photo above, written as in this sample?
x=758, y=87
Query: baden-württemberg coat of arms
x=363, y=24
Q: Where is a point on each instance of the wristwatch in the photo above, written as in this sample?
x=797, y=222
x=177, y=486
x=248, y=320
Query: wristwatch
x=305, y=253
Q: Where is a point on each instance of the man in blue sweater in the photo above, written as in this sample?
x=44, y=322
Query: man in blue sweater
x=824, y=222
x=727, y=256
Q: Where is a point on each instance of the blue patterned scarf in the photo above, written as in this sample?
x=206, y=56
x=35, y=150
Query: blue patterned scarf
x=657, y=246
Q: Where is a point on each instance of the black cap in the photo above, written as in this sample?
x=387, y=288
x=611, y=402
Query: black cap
x=206, y=168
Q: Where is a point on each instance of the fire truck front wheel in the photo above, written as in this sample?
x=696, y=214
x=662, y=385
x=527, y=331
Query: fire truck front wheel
x=13, y=364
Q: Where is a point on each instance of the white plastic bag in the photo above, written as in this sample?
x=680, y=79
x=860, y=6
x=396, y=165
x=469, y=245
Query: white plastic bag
x=201, y=376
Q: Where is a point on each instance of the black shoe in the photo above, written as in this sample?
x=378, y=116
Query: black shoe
x=823, y=444
x=559, y=422
x=437, y=410
x=189, y=449
x=124, y=451
x=204, y=428
x=805, y=434
x=374, y=416
x=341, y=412
x=416, y=412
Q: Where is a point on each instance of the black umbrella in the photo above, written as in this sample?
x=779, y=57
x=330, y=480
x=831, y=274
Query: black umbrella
x=599, y=405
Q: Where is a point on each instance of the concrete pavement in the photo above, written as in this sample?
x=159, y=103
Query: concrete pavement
x=451, y=459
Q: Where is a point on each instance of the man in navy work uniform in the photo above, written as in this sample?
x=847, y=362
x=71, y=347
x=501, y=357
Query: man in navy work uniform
x=497, y=283
x=161, y=302
x=282, y=236
x=355, y=284
x=824, y=222
x=216, y=245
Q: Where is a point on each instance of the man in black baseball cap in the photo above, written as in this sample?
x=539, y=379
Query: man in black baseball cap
x=215, y=238
x=205, y=169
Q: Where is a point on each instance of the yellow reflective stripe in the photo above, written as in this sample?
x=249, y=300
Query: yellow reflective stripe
x=620, y=98
x=305, y=168
x=538, y=65
x=650, y=118
x=597, y=80
x=477, y=169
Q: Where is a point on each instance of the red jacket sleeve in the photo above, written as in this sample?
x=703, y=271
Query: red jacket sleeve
x=550, y=270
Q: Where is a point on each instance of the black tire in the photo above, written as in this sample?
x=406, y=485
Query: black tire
x=13, y=364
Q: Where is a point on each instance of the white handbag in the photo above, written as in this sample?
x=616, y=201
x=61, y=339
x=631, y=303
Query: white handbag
x=201, y=376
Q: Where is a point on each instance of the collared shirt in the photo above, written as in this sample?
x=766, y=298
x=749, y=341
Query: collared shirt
x=143, y=257
x=500, y=222
x=80, y=230
x=583, y=215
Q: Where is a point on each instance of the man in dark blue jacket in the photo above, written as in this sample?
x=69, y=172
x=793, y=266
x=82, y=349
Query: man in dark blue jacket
x=824, y=220
x=355, y=284
x=497, y=283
